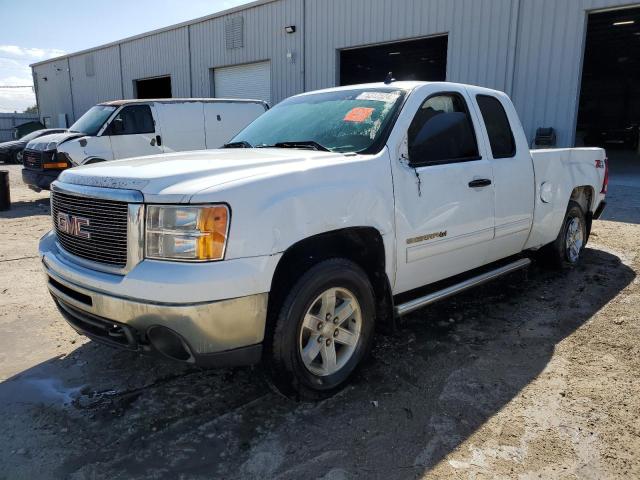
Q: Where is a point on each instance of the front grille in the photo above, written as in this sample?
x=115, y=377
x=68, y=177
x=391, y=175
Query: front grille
x=32, y=159
x=106, y=228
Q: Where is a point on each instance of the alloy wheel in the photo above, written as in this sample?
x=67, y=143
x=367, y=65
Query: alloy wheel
x=330, y=331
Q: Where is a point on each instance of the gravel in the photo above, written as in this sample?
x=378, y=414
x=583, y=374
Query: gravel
x=533, y=378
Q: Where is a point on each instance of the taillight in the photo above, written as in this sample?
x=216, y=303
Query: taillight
x=605, y=182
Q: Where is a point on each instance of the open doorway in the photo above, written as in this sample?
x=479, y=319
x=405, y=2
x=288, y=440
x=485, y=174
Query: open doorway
x=609, y=109
x=422, y=59
x=159, y=87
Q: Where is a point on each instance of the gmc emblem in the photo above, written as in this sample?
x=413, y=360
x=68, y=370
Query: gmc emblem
x=72, y=225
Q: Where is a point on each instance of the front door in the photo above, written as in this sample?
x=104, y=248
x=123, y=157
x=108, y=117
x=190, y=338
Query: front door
x=133, y=132
x=443, y=188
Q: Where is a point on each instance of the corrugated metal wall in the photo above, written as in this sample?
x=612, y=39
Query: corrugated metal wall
x=105, y=83
x=548, y=66
x=165, y=53
x=478, y=30
x=264, y=39
x=532, y=49
x=53, y=91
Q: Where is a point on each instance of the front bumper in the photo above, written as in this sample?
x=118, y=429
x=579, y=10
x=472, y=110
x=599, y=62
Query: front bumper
x=209, y=333
x=39, y=179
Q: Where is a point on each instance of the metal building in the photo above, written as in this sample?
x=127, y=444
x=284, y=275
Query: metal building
x=271, y=49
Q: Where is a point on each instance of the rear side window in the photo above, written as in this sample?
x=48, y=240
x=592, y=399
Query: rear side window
x=133, y=120
x=495, y=118
x=442, y=132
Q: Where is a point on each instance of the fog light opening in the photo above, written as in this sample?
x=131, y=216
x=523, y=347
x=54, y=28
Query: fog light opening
x=169, y=343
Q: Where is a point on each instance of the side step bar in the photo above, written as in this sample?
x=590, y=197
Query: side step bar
x=410, y=306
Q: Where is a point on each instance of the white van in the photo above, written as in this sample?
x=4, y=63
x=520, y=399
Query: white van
x=134, y=128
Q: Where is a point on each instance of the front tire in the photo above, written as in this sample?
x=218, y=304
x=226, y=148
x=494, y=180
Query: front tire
x=323, y=330
x=17, y=157
x=569, y=245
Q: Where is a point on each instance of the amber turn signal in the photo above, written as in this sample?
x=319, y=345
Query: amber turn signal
x=212, y=223
x=56, y=165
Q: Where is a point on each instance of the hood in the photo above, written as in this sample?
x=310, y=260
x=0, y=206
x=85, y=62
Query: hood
x=12, y=145
x=179, y=176
x=51, y=142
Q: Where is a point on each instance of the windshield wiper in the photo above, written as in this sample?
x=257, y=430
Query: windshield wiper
x=307, y=144
x=240, y=144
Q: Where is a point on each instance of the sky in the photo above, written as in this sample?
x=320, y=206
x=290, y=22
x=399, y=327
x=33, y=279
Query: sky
x=35, y=30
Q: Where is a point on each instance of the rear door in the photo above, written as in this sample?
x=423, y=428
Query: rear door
x=443, y=188
x=223, y=120
x=512, y=171
x=133, y=132
x=182, y=125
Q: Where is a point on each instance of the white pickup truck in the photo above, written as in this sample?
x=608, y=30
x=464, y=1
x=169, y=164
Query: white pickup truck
x=334, y=213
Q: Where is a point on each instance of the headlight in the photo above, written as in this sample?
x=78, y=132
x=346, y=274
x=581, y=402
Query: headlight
x=189, y=233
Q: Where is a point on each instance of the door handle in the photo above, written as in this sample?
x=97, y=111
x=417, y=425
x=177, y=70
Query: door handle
x=481, y=182
x=158, y=140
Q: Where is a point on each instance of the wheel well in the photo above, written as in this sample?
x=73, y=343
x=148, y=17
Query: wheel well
x=361, y=245
x=584, y=197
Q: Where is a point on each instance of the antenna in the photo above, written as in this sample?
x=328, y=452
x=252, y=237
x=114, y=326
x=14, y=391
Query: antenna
x=389, y=78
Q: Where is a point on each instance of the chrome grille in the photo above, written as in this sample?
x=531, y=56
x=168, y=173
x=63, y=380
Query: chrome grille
x=106, y=228
x=32, y=159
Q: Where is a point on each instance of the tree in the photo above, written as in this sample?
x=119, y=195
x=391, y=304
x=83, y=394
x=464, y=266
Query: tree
x=33, y=109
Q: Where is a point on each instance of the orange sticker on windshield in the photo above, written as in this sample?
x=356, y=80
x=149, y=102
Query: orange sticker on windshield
x=358, y=114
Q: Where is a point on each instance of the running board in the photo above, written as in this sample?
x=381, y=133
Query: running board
x=433, y=297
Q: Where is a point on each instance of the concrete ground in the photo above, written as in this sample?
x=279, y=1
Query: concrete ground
x=521, y=378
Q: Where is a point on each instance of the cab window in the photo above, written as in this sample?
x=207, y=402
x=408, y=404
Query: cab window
x=442, y=132
x=499, y=130
x=132, y=120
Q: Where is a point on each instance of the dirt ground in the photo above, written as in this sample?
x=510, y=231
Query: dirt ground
x=523, y=378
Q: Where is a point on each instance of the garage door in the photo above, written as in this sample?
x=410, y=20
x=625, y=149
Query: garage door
x=252, y=80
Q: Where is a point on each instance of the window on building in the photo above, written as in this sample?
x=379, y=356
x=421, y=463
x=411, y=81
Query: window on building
x=442, y=132
x=495, y=118
x=132, y=120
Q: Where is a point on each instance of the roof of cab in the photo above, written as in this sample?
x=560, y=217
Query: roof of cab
x=117, y=103
x=398, y=85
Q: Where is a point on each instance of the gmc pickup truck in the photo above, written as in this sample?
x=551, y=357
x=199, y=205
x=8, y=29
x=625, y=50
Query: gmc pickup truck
x=329, y=217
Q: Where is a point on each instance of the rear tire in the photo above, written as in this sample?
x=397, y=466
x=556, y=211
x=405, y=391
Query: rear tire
x=568, y=246
x=17, y=157
x=323, y=330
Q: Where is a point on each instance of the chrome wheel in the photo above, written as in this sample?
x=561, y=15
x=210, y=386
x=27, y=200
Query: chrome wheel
x=574, y=239
x=19, y=157
x=330, y=331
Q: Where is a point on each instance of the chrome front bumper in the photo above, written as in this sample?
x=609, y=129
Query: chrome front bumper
x=226, y=332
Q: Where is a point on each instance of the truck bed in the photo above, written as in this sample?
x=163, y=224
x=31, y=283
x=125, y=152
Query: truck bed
x=558, y=172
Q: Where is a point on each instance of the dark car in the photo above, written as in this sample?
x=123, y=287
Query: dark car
x=12, y=151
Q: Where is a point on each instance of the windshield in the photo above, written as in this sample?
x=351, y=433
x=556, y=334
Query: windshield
x=91, y=122
x=340, y=121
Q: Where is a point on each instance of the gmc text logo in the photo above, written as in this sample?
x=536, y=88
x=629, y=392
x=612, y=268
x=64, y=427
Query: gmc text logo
x=72, y=225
